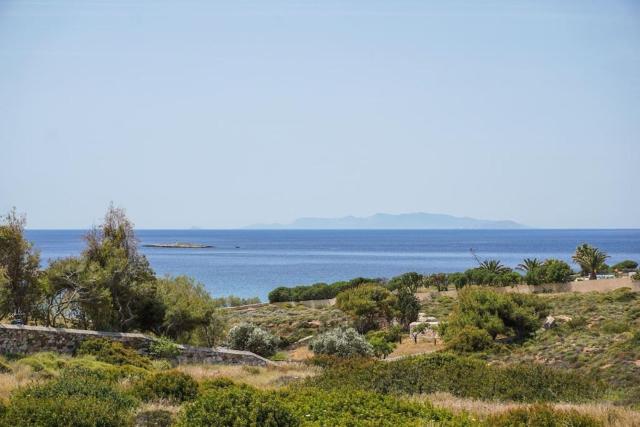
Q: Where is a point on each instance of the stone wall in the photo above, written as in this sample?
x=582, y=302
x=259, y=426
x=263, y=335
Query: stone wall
x=600, y=285
x=18, y=339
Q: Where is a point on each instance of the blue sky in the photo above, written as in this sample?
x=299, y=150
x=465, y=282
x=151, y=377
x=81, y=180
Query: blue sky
x=223, y=114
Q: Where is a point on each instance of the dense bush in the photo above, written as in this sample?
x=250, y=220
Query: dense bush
x=171, y=385
x=341, y=342
x=469, y=339
x=315, y=291
x=247, y=336
x=236, y=406
x=163, y=348
x=355, y=407
x=112, y=352
x=542, y=415
x=550, y=271
x=369, y=305
x=78, y=398
x=381, y=345
x=411, y=281
x=460, y=376
x=509, y=314
x=625, y=265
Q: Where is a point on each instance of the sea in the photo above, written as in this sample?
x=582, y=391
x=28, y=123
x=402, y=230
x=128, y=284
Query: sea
x=250, y=263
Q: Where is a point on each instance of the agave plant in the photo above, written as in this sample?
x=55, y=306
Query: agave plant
x=529, y=264
x=590, y=259
x=494, y=266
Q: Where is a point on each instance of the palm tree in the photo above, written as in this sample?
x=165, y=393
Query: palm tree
x=529, y=264
x=494, y=266
x=590, y=259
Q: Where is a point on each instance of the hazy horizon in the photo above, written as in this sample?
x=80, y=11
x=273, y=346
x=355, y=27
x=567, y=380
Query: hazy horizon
x=222, y=115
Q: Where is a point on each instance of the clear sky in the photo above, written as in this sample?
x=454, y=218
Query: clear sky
x=224, y=114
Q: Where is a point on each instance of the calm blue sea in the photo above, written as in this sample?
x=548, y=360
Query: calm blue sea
x=252, y=262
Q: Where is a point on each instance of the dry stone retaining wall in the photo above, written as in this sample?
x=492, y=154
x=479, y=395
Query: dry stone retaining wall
x=19, y=339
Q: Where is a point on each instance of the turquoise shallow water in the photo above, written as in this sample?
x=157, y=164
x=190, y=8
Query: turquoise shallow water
x=252, y=262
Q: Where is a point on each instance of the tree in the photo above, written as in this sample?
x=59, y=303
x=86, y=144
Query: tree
x=513, y=315
x=368, y=304
x=411, y=281
x=381, y=346
x=407, y=306
x=417, y=330
x=529, y=264
x=191, y=315
x=590, y=259
x=625, y=265
x=493, y=266
x=20, y=265
x=549, y=271
x=72, y=294
x=124, y=273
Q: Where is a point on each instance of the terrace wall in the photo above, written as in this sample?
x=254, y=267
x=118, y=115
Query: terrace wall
x=19, y=339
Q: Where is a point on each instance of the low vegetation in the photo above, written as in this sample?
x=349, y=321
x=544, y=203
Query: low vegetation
x=501, y=358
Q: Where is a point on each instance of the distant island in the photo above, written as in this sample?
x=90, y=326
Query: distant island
x=381, y=221
x=179, y=245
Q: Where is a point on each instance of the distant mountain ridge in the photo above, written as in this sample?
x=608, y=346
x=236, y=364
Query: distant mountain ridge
x=381, y=221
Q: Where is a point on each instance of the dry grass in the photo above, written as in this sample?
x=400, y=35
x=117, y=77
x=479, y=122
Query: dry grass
x=410, y=348
x=609, y=415
x=20, y=375
x=270, y=377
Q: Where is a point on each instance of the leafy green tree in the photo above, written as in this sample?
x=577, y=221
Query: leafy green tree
x=529, y=264
x=368, y=304
x=382, y=347
x=407, y=306
x=549, y=271
x=625, y=265
x=20, y=263
x=510, y=314
x=439, y=280
x=72, y=295
x=590, y=259
x=411, y=281
x=493, y=266
x=417, y=330
x=126, y=274
x=190, y=314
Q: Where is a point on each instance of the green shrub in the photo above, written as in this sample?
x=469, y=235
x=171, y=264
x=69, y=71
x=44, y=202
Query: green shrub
x=511, y=314
x=315, y=291
x=236, y=406
x=469, y=339
x=614, y=326
x=341, y=342
x=4, y=366
x=113, y=352
x=379, y=343
x=247, y=336
x=163, y=348
x=72, y=411
x=46, y=363
x=171, y=385
x=354, y=407
x=625, y=265
x=460, y=376
x=542, y=416
x=216, y=383
x=77, y=398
